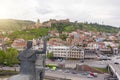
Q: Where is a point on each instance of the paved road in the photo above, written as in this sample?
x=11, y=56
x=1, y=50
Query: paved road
x=72, y=64
x=79, y=76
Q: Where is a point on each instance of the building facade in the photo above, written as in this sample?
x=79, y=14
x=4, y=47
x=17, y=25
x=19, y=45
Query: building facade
x=66, y=52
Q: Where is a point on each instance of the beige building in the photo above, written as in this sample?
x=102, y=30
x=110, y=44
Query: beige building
x=76, y=53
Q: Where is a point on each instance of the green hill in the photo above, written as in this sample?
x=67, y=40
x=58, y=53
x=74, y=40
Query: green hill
x=71, y=26
x=101, y=28
x=12, y=24
x=57, y=26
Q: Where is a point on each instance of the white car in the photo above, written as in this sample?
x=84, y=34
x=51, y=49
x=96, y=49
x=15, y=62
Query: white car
x=67, y=71
x=89, y=76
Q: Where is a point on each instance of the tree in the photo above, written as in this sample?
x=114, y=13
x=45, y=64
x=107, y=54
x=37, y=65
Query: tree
x=119, y=46
x=11, y=57
x=29, y=34
x=63, y=37
x=111, y=49
x=50, y=55
x=2, y=56
x=70, y=28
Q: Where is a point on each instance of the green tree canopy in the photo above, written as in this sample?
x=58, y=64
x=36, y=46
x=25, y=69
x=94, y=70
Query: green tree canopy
x=119, y=46
x=50, y=55
x=63, y=37
x=2, y=56
x=11, y=57
x=29, y=34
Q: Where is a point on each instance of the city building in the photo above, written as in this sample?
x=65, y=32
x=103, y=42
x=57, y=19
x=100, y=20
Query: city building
x=19, y=44
x=66, y=52
x=90, y=54
x=76, y=52
x=59, y=51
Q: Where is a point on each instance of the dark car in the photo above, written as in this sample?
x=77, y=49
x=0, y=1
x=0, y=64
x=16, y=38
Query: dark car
x=74, y=72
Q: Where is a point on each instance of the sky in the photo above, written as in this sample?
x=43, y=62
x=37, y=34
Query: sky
x=100, y=11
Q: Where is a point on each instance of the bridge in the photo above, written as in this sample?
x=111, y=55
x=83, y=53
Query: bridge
x=114, y=70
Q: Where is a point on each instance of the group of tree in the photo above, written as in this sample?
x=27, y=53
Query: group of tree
x=29, y=34
x=50, y=55
x=71, y=26
x=9, y=57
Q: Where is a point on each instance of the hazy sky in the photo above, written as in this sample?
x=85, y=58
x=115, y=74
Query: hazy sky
x=100, y=11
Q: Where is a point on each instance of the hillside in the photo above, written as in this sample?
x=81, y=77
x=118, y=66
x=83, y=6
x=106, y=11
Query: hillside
x=56, y=25
x=71, y=26
x=101, y=28
x=12, y=24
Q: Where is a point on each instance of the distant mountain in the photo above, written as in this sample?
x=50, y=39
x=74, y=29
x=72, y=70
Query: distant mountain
x=13, y=24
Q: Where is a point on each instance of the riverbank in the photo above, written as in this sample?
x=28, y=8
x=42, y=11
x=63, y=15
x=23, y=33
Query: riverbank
x=7, y=73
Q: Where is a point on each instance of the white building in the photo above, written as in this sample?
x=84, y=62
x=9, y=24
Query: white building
x=66, y=51
x=59, y=51
x=93, y=46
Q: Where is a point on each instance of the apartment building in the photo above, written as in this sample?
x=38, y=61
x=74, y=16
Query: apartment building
x=90, y=54
x=76, y=52
x=59, y=51
x=66, y=51
x=19, y=44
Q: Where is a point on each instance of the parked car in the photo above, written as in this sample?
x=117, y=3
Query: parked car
x=85, y=73
x=59, y=60
x=90, y=76
x=116, y=62
x=60, y=70
x=93, y=74
x=74, y=72
x=104, y=57
x=67, y=71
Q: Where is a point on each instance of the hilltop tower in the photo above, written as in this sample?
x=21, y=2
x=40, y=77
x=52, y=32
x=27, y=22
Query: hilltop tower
x=38, y=24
